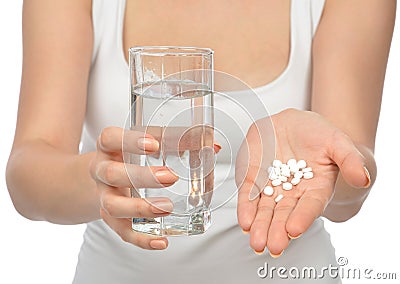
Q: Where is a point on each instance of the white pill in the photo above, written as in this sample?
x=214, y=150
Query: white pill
x=308, y=175
x=301, y=164
x=268, y=190
x=298, y=175
x=305, y=170
x=273, y=176
x=278, y=198
x=283, y=178
x=294, y=169
x=276, y=182
x=284, y=166
x=291, y=162
x=295, y=181
x=287, y=186
x=274, y=171
x=285, y=172
x=276, y=163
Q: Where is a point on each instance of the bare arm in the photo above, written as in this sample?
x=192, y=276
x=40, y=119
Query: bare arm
x=46, y=176
x=350, y=53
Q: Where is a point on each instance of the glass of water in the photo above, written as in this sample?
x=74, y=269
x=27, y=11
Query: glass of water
x=172, y=100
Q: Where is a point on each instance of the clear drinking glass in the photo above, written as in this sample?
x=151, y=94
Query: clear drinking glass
x=172, y=99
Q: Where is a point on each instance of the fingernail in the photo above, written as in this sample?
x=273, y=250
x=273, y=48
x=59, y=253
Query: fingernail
x=245, y=232
x=148, y=144
x=368, y=176
x=259, y=252
x=158, y=244
x=292, y=237
x=275, y=255
x=217, y=147
x=161, y=206
x=166, y=176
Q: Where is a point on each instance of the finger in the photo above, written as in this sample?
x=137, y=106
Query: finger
x=123, y=228
x=209, y=188
x=246, y=208
x=115, y=139
x=350, y=161
x=118, y=205
x=254, y=174
x=128, y=175
x=254, y=157
x=309, y=207
x=176, y=139
x=194, y=138
x=278, y=239
x=260, y=226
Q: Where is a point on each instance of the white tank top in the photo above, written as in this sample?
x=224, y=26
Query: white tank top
x=108, y=90
x=223, y=252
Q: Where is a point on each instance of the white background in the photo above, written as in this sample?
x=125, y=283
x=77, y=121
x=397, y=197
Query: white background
x=38, y=252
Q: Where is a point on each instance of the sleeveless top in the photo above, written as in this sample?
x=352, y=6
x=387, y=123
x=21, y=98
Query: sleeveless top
x=108, y=93
x=223, y=253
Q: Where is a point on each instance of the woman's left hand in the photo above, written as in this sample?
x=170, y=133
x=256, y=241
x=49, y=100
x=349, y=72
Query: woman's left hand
x=299, y=135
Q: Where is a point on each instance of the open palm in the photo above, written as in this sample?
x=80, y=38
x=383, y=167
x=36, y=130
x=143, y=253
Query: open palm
x=299, y=135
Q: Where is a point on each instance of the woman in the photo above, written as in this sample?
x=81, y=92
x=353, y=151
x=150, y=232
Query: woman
x=319, y=68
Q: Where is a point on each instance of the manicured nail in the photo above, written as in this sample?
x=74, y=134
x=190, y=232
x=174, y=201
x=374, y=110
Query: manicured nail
x=259, y=252
x=275, y=255
x=166, y=176
x=158, y=244
x=161, y=206
x=148, y=144
x=217, y=147
x=292, y=237
x=368, y=176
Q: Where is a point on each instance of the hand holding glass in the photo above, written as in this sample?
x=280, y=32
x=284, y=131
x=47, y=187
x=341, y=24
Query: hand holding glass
x=172, y=100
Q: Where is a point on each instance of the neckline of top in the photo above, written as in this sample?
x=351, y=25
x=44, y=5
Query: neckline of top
x=258, y=89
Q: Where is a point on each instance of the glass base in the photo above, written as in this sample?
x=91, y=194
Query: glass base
x=174, y=225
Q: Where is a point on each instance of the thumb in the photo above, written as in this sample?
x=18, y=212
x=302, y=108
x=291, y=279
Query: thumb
x=351, y=162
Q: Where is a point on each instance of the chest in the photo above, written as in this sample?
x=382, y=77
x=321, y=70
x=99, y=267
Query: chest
x=251, y=39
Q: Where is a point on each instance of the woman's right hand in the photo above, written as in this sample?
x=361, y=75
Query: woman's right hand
x=114, y=178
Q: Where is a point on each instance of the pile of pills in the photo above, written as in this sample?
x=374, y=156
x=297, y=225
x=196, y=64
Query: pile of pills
x=287, y=175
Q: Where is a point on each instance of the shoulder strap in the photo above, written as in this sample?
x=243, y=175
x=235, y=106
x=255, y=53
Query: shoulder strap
x=317, y=8
x=107, y=20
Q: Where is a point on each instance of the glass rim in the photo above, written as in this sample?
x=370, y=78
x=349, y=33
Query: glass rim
x=171, y=50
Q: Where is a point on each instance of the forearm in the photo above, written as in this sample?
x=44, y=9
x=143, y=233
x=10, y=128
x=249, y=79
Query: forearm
x=48, y=184
x=347, y=200
x=350, y=53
